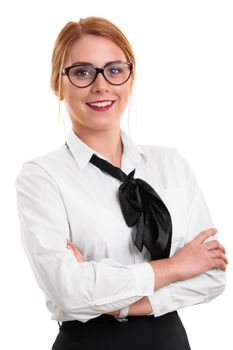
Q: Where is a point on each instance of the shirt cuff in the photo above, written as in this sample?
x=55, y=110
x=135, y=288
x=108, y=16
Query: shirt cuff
x=161, y=302
x=144, y=278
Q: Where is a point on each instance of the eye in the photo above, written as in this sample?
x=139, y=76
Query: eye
x=81, y=72
x=114, y=70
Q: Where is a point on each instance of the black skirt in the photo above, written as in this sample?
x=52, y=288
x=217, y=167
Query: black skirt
x=139, y=332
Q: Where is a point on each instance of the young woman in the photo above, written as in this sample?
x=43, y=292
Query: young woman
x=118, y=235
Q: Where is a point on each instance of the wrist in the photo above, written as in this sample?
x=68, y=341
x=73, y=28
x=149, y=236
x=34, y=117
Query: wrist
x=174, y=269
x=164, y=271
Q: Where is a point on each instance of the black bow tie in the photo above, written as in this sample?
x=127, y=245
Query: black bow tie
x=143, y=207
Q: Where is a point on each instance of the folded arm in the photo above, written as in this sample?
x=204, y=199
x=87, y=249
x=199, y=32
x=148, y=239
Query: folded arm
x=197, y=273
x=81, y=290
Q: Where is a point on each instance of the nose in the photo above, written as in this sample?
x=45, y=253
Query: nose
x=100, y=83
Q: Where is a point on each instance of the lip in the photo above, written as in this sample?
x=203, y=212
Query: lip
x=99, y=101
x=100, y=109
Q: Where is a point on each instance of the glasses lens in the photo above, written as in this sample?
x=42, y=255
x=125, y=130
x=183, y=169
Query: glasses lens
x=117, y=73
x=82, y=76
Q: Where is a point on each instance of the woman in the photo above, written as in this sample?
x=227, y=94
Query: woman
x=118, y=235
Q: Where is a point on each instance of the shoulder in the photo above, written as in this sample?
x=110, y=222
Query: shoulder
x=169, y=162
x=165, y=156
x=47, y=164
x=159, y=153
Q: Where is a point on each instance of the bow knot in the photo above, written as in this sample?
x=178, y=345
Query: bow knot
x=143, y=207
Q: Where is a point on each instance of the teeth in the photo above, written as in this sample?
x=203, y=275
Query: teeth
x=101, y=104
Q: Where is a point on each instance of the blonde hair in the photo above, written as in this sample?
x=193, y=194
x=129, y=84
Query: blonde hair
x=74, y=30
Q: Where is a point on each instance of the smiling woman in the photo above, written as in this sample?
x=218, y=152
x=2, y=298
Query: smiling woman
x=102, y=253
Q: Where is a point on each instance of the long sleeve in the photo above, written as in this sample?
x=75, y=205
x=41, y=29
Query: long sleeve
x=202, y=288
x=81, y=290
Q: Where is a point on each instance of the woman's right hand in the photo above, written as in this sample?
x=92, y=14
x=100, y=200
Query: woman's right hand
x=195, y=258
x=199, y=256
x=78, y=256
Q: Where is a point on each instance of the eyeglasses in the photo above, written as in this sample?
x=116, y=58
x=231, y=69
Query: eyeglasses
x=83, y=75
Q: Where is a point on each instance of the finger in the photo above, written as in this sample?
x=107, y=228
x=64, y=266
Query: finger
x=202, y=236
x=71, y=245
x=220, y=264
x=77, y=253
x=68, y=243
x=217, y=254
x=78, y=257
x=75, y=250
x=214, y=244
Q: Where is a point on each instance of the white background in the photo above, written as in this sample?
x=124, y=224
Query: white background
x=182, y=98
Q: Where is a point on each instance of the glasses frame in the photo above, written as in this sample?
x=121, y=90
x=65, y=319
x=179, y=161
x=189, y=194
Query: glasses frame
x=66, y=71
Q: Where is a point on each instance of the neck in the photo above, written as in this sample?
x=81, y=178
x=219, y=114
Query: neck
x=105, y=142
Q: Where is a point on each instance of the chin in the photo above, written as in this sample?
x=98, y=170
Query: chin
x=105, y=123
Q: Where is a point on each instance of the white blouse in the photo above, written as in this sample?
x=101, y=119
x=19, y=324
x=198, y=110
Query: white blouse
x=61, y=196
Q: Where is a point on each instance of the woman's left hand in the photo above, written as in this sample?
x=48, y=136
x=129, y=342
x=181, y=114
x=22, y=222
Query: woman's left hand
x=80, y=258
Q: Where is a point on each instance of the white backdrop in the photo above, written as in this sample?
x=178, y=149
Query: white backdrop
x=182, y=98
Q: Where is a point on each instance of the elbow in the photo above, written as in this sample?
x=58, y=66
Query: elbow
x=218, y=283
x=78, y=305
x=70, y=286
x=221, y=282
x=73, y=300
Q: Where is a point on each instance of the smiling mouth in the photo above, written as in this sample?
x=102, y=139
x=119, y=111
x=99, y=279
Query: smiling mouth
x=101, y=106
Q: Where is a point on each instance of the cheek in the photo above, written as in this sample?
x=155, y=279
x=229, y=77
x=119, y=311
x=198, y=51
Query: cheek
x=124, y=93
x=73, y=96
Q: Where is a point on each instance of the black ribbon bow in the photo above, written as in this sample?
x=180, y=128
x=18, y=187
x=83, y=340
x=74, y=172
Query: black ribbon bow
x=142, y=206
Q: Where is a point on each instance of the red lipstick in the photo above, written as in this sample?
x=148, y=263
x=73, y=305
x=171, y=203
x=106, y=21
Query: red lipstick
x=100, y=105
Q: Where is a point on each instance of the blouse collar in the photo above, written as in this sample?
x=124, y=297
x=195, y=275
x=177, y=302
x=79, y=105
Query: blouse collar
x=82, y=152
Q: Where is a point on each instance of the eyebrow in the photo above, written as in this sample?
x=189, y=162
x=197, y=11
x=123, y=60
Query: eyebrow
x=91, y=64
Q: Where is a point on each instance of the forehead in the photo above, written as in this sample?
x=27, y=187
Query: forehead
x=94, y=49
